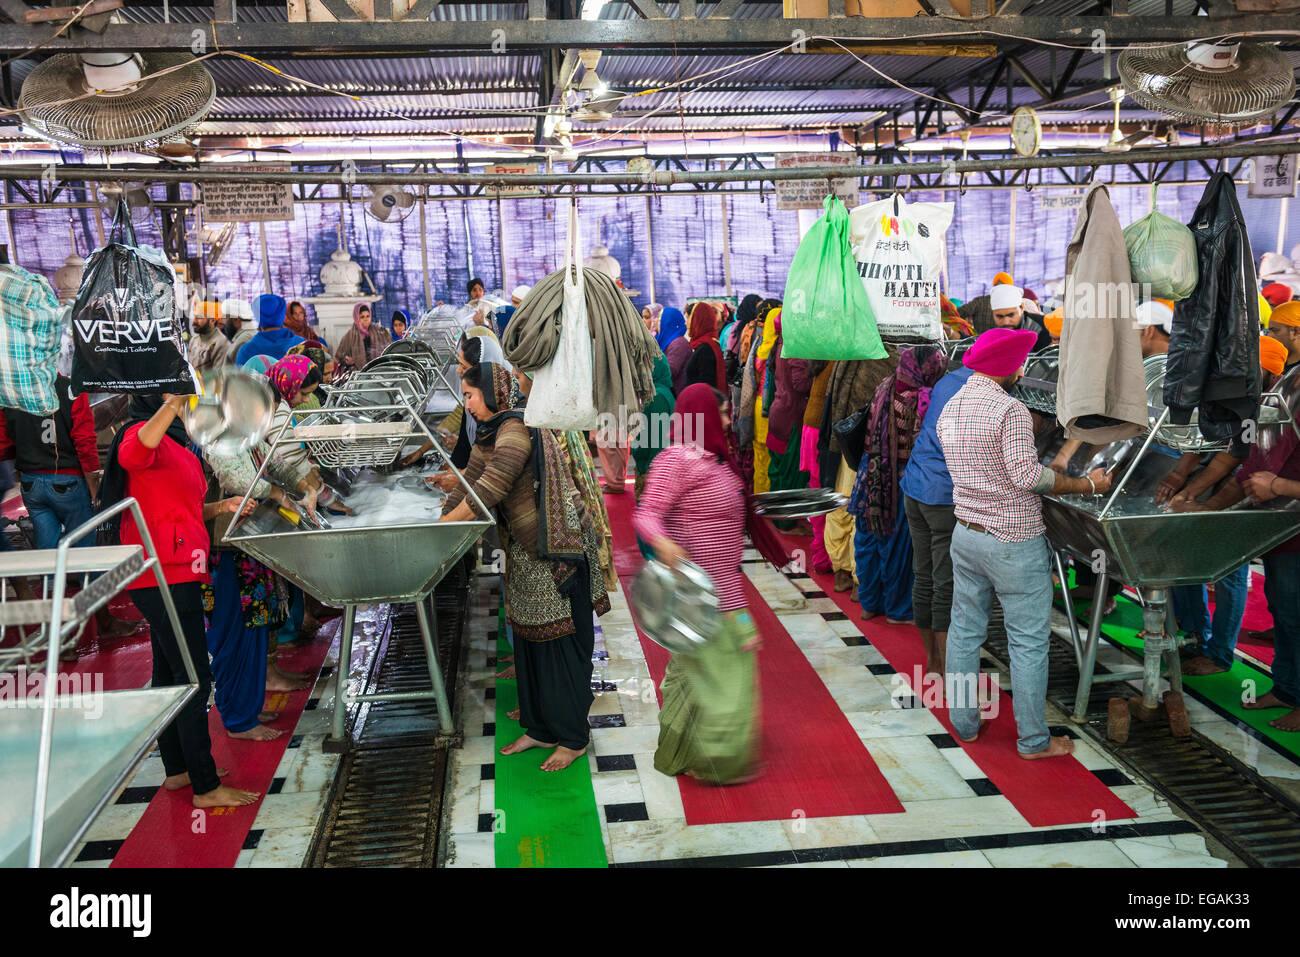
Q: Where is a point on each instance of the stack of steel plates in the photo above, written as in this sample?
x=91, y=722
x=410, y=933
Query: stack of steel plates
x=798, y=503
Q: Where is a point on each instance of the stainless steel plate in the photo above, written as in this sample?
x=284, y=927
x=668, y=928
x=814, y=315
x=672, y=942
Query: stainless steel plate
x=677, y=608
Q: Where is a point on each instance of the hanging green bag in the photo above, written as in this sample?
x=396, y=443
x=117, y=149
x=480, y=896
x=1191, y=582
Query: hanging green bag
x=1162, y=254
x=825, y=313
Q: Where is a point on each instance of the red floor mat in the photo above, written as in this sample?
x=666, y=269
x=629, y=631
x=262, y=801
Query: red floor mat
x=1046, y=793
x=813, y=760
x=171, y=834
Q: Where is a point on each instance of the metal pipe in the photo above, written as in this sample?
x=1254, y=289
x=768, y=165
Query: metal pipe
x=869, y=171
x=1132, y=467
x=1086, y=670
x=342, y=675
x=428, y=636
x=746, y=190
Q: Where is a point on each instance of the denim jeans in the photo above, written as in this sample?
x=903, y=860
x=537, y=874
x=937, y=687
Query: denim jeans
x=57, y=504
x=1217, y=638
x=1019, y=574
x=1282, y=588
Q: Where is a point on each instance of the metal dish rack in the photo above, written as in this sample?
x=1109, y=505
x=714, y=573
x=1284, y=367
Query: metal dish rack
x=368, y=563
x=73, y=766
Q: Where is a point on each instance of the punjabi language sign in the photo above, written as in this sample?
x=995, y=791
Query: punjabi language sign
x=809, y=193
x=250, y=201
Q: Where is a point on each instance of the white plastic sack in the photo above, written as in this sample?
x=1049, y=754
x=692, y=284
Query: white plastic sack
x=561, y=397
x=899, y=251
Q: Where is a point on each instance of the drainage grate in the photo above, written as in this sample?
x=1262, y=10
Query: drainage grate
x=1229, y=800
x=385, y=811
x=387, y=801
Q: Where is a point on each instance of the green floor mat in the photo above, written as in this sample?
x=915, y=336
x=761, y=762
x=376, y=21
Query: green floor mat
x=1223, y=691
x=541, y=819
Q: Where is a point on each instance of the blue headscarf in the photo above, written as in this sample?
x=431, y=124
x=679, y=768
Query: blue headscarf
x=672, y=325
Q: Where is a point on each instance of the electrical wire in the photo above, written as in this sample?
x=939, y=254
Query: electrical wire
x=54, y=36
x=678, y=85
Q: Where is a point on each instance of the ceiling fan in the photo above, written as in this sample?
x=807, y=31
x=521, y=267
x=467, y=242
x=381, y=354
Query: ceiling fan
x=1119, y=141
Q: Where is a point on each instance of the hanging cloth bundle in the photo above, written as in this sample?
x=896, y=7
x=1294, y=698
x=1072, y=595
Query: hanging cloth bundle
x=620, y=370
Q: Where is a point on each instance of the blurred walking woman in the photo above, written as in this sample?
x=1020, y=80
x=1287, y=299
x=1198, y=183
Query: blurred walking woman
x=151, y=461
x=695, y=507
x=552, y=576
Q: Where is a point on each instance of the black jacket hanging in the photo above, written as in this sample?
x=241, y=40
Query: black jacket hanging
x=1213, y=360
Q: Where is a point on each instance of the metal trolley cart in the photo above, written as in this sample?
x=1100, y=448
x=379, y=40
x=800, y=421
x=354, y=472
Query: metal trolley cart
x=72, y=762
x=359, y=435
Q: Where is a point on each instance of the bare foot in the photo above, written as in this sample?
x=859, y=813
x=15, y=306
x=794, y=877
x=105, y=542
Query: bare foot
x=507, y=675
x=277, y=682
x=266, y=717
x=288, y=675
x=1057, y=748
x=973, y=738
x=561, y=758
x=868, y=615
x=898, y=621
x=1266, y=703
x=258, y=733
x=1201, y=665
x=224, y=796
x=513, y=715
x=523, y=743
x=1288, y=722
x=178, y=781
x=119, y=628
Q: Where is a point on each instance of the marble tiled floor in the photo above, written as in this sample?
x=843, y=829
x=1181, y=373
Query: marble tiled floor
x=295, y=801
x=949, y=818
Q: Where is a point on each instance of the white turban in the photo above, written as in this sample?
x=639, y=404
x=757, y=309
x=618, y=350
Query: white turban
x=237, y=309
x=1003, y=296
x=520, y=291
x=1152, y=313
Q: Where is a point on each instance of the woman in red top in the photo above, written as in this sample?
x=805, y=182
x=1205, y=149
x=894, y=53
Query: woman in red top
x=151, y=462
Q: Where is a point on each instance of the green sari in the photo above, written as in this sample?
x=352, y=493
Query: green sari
x=709, y=720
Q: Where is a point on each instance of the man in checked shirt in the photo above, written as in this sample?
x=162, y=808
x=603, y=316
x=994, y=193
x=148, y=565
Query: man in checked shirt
x=999, y=546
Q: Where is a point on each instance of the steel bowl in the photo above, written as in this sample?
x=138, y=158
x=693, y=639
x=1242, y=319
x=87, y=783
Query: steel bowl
x=677, y=608
x=233, y=413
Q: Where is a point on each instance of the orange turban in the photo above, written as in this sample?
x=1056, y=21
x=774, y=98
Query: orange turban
x=1287, y=314
x=1055, y=321
x=1003, y=279
x=1272, y=355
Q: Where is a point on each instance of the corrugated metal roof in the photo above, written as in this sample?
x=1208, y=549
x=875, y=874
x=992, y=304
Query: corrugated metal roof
x=722, y=90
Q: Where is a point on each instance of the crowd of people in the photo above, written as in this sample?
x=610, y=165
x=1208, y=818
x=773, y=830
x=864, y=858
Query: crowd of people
x=943, y=473
x=940, y=468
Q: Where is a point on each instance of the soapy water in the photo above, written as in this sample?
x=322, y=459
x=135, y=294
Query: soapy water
x=401, y=499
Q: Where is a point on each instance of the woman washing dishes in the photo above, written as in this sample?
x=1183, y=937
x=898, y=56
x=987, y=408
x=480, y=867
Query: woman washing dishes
x=695, y=507
x=152, y=461
x=552, y=580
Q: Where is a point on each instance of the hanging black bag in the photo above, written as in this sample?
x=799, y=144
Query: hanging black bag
x=126, y=322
